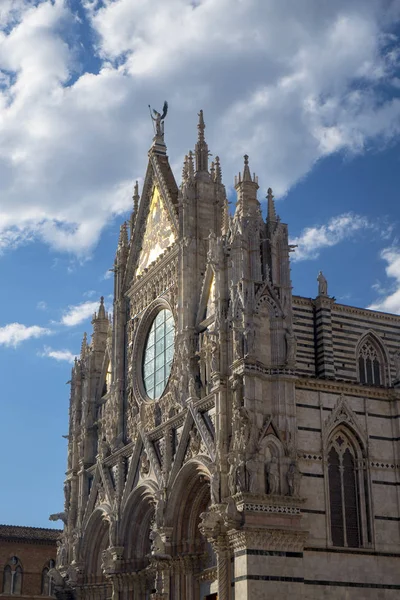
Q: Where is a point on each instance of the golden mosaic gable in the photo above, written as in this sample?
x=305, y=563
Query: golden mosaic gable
x=158, y=235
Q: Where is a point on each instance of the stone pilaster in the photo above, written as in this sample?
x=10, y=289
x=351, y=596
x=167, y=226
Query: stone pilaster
x=324, y=361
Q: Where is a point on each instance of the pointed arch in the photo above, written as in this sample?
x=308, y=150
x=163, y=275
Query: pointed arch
x=136, y=525
x=94, y=542
x=372, y=360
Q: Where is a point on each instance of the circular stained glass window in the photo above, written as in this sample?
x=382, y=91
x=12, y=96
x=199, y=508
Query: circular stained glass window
x=158, y=354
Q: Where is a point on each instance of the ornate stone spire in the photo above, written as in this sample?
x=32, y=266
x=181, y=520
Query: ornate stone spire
x=201, y=150
x=190, y=165
x=271, y=214
x=246, y=188
x=102, y=311
x=135, y=199
x=123, y=236
x=84, y=345
x=246, y=169
x=218, y=172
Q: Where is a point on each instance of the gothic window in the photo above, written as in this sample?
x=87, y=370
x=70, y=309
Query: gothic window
x=47, y=582
x=7, y=580
x=348, y=493
x=12, y=577
x=158, y=354
x=370, y=363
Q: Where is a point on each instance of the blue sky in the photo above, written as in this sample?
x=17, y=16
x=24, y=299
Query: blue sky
x=308, y=88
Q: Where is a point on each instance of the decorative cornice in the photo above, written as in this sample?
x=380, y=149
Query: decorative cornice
x=268, y=539
x=341, y=387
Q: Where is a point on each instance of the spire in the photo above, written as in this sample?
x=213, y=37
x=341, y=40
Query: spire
x=185, y=168
x=271, y=215
x=246, y=169
x=123, y=236
x=201, y=150
x=84, y=345
x=246, y=188
x=190, y=167
x=218, y=172
x=135, y=199
x=102, y=311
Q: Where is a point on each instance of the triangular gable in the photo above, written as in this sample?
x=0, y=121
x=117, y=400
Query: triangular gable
x=159, y=234
x=158, y=177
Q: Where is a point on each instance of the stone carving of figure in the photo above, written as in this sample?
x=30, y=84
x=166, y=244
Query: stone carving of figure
x=240, y=474
x=397, y=365
x=252, y=474
x=322, y=285
x=192, y=387
x=160, y=507
x=144, y=465
x=214, y=356
x=249, y=336
x=291, y=347
x=273, y=476
x=195, y=443
x=158, y=119
x=293, y=478
x=67, y=494
x=61, y=558
x=237, y=343
x=232, y=475
x=214, y=484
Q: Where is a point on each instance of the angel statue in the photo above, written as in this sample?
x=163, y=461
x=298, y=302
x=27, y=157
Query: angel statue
x=158, y=119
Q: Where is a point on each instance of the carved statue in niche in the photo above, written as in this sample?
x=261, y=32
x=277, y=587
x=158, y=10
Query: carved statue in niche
x=252, y=469
x=214, y=356
x=291, y=347
x=159, y=497
x=214, y=484
x=192, y=387
x=293, y=478
x=249, y=337
x=237, y=343
x=194, y=443
x=144, y=465
x=272, y=473
x=61, y=558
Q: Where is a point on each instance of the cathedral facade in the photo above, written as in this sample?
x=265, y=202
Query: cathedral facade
x=227, y=440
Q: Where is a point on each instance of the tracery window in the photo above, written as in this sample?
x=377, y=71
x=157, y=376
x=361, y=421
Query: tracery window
x=12, y=577
x=158, y=354
x=370, y=364
x=348, y=493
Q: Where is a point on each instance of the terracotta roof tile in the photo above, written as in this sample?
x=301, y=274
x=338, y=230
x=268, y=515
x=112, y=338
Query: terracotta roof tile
x=17, y=532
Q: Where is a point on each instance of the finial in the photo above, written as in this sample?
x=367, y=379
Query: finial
x=201, y=127
x=190, y=165
x=246, y=170
x=185, y=169
x=136, y=196
x=271, y=214
x=84, y=345
x=201, y=150
x=218, y=172
x=212, y=171
x=102, y=310
x=123, y=235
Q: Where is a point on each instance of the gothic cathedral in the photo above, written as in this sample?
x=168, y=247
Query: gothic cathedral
x=227, y=440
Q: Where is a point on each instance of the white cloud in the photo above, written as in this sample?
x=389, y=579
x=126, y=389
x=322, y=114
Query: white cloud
x=313, y=239
x=68, y=139
x=41, y=305
x=79, y=313
x=59, y=355
x=390, y=302
x=15, y=333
